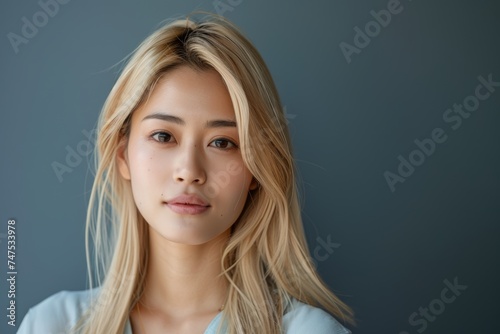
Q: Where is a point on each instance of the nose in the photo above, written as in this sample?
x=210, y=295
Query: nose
x=189, y=166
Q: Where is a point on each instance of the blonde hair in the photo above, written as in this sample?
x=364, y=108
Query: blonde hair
x=266, y=260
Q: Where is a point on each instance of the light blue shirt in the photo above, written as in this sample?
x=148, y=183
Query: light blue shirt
x=59, y=312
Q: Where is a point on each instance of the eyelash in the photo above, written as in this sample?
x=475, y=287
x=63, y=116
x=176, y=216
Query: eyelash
x=154, y=134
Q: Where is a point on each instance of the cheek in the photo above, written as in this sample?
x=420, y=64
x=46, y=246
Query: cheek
x=147, y=172
x=236, y=190
x=144, y=161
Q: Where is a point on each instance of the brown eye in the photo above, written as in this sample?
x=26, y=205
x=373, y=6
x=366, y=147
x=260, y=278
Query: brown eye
x=224, y=144
x=162, y=137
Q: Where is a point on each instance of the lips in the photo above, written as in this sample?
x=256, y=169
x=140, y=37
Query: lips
x=188, y=204
x=188, y=199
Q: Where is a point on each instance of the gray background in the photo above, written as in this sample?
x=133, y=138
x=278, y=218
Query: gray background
x=390, y=252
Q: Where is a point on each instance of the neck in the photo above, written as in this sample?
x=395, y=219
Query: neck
x=184, y=279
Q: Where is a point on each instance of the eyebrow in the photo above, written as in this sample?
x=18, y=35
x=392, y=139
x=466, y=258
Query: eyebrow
x=217, y=123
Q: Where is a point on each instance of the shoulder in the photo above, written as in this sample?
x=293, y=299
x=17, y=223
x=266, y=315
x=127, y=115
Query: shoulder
x=56, y=314
x=303, y=318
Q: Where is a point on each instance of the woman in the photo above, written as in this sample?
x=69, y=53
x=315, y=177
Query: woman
x=194, y=211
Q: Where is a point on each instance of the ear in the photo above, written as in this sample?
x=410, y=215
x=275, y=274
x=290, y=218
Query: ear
x=254, y=184
x=122, y=159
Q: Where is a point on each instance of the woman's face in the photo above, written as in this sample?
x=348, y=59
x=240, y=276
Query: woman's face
x=184, y=141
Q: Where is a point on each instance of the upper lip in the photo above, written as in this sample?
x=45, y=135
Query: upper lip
x=189, y=199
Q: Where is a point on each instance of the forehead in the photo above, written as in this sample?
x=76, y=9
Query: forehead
x=188, y=93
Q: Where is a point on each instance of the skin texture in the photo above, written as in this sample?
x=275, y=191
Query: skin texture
x=162, y=160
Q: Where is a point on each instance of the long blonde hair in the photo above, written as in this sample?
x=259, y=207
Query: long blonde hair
x=266, y=260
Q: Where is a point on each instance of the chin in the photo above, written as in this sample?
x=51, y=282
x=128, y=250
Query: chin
x=187, y=238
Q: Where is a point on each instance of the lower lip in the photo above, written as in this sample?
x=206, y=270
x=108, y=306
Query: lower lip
x=187, y=209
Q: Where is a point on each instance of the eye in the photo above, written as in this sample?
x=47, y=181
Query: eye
x=224, y=144
x=162, y=137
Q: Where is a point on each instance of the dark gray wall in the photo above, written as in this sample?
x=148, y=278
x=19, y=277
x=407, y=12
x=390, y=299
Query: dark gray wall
x=387, y=252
